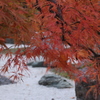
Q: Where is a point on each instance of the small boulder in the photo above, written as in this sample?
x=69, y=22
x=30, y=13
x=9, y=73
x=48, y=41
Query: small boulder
x=37, y=64
x=52, y=80
x=9, y=41
x=5, y=81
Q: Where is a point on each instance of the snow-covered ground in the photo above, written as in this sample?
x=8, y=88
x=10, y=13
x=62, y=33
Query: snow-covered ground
x=29, y=89
x=13, y=46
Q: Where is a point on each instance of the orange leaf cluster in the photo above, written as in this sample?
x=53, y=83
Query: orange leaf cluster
x=61, y=31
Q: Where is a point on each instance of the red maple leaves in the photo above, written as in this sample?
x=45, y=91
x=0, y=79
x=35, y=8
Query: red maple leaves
x=61, y=31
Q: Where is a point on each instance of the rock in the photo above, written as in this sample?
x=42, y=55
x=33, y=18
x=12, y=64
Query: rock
x=9, y=41
x=52, y=80
x=5, y=81
x=30, y=63
x=37, y=64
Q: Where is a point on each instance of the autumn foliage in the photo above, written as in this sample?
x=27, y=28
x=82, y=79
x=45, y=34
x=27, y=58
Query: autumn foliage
x=65, y=31
x=14, y=21
x=61, y=31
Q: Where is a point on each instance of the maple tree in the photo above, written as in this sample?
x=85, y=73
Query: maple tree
x=61, y=31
